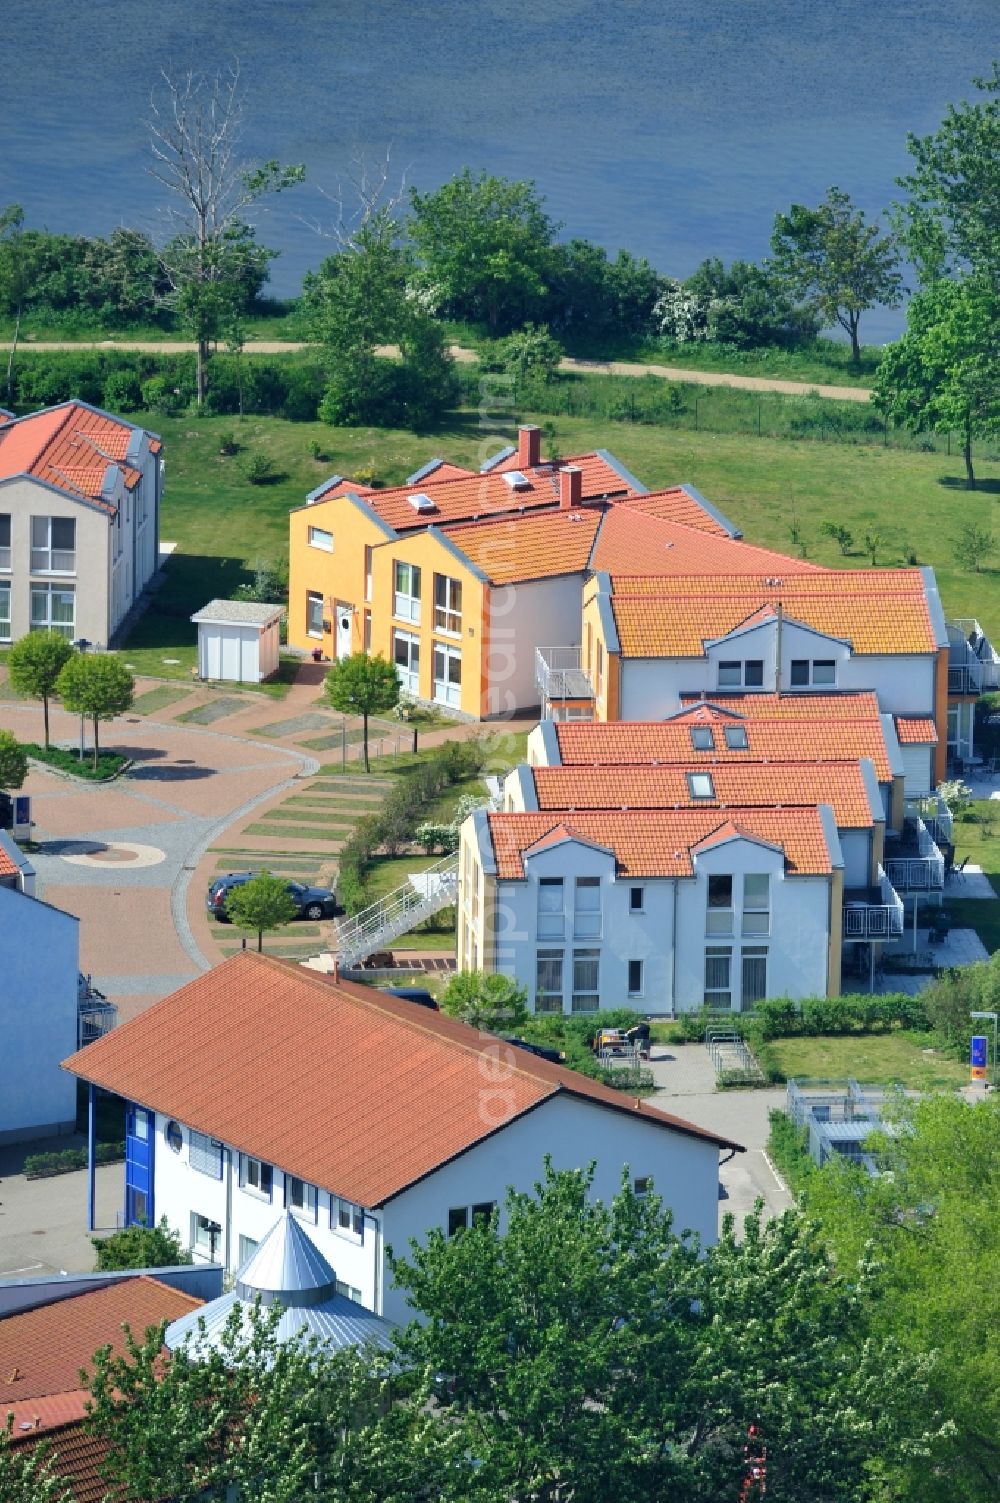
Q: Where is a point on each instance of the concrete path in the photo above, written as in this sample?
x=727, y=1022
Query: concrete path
x=43, y=1222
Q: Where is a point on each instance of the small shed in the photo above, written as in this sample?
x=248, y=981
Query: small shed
x=238, y=640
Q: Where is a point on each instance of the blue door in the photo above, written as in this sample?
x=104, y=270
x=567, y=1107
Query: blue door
x=139, y=1146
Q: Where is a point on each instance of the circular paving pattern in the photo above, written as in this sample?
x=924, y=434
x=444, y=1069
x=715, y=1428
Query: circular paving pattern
x=121, y=853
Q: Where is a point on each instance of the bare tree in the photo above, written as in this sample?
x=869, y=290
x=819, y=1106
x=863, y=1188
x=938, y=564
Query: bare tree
x=212, y=259
x=363, y=199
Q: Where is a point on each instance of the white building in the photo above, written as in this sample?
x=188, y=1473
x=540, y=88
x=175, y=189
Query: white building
x=80, y=494
x=263, y=1086
x=238, y=640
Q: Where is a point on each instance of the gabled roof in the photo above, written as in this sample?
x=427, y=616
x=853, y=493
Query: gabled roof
x=335, y=1083
x=559, y=835
x=850, y=704
x=661, y=842
x=731, y=831
x=538, y=545
x=636, y=541
x=71, y=447
x=916, y=730
x=682, y=503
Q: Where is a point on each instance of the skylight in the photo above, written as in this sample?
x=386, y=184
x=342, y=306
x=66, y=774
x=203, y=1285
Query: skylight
x=736, y=737
x=516, y=480
x=420, y=502
x=700, y=785
x=702, y=738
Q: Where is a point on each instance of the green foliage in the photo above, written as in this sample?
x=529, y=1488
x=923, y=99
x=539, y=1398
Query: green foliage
x=873, y=541
x=855, y=1012
x=594, y=300
x=97, y=685
x=44, y=1165
x=841, y=535
x=27, y=1474
x=261, y=905
x=437, y=837
x=490, y=1001
x=531, y=356
x=958, y=992
x=364, y=685
x=260, y=469
x=831, y=257
x=141, y=1247
x=745, y=306
x=109, y=764
x=34, y=663
x=13, y=761
x=788, y=1147
x=973, y=546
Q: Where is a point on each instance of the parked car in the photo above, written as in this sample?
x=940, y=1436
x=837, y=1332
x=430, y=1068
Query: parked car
x=418, y=994
x=310, y=902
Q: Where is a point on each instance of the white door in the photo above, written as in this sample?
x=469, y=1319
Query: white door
x=230, y=655
x=345, y=614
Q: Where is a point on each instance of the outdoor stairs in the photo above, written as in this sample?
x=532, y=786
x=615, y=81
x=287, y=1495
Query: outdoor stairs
x=374, y=928
x=730, y=1055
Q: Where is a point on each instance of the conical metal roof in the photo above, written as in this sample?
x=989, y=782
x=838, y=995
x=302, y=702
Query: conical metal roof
x=286, y=1265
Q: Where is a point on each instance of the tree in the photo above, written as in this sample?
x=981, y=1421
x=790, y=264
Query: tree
x=13, y=279
x=490, y=1001
x=141, y=1247
x=98, y=685
x=840, y=534
x=363, y=685
x=35, y=663
x=262, y=904
x=13, y=761
x=195, y=139
x=943, y=375
x=26, y=1471
x=973, y=545
x=744, y=305
x=530, y=355
x=483, y=243
x=832, y=257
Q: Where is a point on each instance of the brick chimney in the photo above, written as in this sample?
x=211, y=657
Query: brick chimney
x=570, y=487
x=529, y=446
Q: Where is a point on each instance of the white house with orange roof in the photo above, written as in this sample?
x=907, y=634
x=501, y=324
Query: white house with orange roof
x=80, y=493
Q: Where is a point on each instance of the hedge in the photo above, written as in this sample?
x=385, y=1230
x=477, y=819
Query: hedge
x=44, y=1165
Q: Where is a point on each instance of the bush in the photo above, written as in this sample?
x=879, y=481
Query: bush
x=227, y=443
x=788, y=1146
x=141, y=1247
x=260, y=469
x=122, y=392
x=109, y=764
x=780, y=1017
x=435, y=837
x=351, y=893
x=44, y=1165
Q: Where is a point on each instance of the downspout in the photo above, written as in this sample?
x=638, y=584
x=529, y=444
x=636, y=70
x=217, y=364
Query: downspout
x=377, y=1282
x=777, y=654
x=673, y=953
x=229, y=1203
x=91, y=1152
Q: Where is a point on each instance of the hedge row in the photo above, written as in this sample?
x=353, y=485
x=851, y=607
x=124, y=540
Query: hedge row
x=44, y=1165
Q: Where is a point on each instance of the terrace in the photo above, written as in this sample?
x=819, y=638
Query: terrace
x=873, y=912
x=973, y=662
x=914, y=862
x=564, y=686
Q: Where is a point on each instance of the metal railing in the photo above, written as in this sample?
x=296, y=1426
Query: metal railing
x=730, y=1054
x=398, y=912
x=973, y=663
x=936, y=815
x=559, y=674
x=95, y=1015
x=923, y=872
x=883, y=920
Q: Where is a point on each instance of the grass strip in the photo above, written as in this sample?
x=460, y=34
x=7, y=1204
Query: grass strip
x=159, y=698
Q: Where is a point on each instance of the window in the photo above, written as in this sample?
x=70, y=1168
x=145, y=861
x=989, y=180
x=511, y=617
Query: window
x=447, y=675
x=53, y=609
x=319, y=538
x=406, y=606
x=447, y=604
x=753, y=673
x=745, y=674
x=256, y=1177
x=300, y=1197
x=314, y=614
x=53, y=545
x=754, y=979
x=140, y=1125
x=205, y=1235
x=4, y=610
x=4, y=540
x=550, y=908
x=636, y=899
x=736, y=737
x=549, y=981
x=635, y=978
x=587, y=910
x=600, y=670
x=368, y=632
x=718, y=969
x=700, y=785
x=368, y=571
x=345, y=1216
x=756, y=903
x=406, y=656
x=349, y=1291
x=816, y=673
x=205, y=1155
x=460, y=1218
x=586, y=979
x=719, y=919
x=138, y=1206
x=173, y=1137
x=643, y=1184
x=248, y=1246
x=702, y=738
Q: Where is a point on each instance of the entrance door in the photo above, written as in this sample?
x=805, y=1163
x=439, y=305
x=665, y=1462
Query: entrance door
x=345, y=617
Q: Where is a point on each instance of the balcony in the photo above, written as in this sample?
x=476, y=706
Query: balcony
x=913, y=860
x=973, y=663
x=936, y=815
x=96, y=1016
x=873, y=912
x=564, y=687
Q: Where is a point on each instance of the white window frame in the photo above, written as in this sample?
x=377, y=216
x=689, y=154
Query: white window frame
x=409, y=676
x=202, y=1244
x=247, y=1247
x=309, y=1209
x=719, y=916
x=369, y=554
x=640, y=906
x=752, y=953
x=718, y=954
x=5, y=628
x=757, y=913
x=349, y=1292
x=254, y=1175
x=460, y=1218
x=587, y=908
x=347, y=1219
x=5, y=527
x=321, y=538
x=640, y=976
x=406, y=591
x=312, y=597
x=447, y=691
x=65, y=629
x=45, y=557
x=551, y=909
x=586, y=999
x=447, y=615
x=732, y=673
x=811, y=680
x=549, y=999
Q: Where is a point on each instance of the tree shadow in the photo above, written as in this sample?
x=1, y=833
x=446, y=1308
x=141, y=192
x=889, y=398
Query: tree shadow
x=985, y=487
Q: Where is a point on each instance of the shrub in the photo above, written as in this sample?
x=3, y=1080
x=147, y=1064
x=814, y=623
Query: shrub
x=161, y=395
x=65, y=1160
x=227, y=443
x=141, y=1247
x=789, y=1150
x=260, y=469
x=122, y=391
x=437, y=837
x=351, y=893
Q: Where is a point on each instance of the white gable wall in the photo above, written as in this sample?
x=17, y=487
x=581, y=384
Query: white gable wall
x=521, y=617
x=38, y=1016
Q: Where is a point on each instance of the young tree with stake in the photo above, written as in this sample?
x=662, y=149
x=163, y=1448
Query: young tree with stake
x=35, y=663
x=98, y=686
x=262, y=905
x=363, y=685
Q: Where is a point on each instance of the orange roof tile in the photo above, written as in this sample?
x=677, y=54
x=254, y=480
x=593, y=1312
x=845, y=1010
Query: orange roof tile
x=70, y=447
x=876, y=610
x=76, y=1457
x=617, y=743
x=659, y=842
x=332, y=1082
x=539, y=545
x=916, y=730
x=675, y=504
x=47, y=1346
x=736, y=784
x=633, y=542
x=798, y=705
x=8, y=867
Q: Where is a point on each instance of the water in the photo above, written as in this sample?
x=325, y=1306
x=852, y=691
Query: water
x=676, y=129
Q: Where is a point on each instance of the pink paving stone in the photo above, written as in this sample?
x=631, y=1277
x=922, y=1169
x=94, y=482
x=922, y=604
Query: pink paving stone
x=219, y=793
x=69, y=812
x=124, y=931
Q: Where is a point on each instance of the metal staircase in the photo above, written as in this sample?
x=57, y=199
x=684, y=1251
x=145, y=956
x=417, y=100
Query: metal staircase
x=423, y=894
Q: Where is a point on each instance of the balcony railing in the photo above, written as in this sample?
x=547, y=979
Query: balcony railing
x=867, y=919
x=560, y=676
x=936, y=816
x=95, y=1015
x=916, y=863
x=973, y=663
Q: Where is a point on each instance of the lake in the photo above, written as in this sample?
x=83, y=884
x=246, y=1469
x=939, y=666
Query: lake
x=677, y=130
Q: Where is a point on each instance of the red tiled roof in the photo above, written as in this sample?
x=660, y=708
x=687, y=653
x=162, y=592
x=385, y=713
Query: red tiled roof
x=47, y=1346
x=70, y=447
x=332, y=1082
x=736, y=784
x=76, y=1457
x=8, y=867
x=539, y=545
x=633, y=542
x=619, y=742
x=659, y=842
x=916, y=730
x=798, y=705
x=675, y=504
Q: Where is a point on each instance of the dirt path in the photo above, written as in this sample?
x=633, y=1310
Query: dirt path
x=467, y=357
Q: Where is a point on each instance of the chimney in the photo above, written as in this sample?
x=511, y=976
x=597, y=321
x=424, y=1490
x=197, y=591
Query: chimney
x=570, y=487
x=529, y=446
x=335, y=973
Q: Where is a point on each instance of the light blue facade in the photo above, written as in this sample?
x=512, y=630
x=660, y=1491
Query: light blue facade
x=39, y=978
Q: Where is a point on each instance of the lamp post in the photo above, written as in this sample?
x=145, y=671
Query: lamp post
x=990, y=1017
x=81, y=645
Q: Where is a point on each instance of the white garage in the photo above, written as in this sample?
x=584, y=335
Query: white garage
x=238, y=640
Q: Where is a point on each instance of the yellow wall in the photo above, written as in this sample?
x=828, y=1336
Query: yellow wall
x=607, y=697
x=338, y=576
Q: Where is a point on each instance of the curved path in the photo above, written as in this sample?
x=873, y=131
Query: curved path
x=466, y=357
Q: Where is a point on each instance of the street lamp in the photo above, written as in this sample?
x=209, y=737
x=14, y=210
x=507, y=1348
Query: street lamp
x=992, y=1018
x=81, y=645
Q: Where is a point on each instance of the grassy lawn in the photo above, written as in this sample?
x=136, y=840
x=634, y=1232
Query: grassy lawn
x=898, y=1058
x=981, y=843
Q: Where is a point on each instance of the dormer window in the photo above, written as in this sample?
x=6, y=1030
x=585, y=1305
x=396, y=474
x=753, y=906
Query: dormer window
x=700, y=785
x=814, y=673
x=736, y=737
x=702, y=738
x=745, y=673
